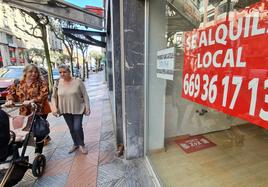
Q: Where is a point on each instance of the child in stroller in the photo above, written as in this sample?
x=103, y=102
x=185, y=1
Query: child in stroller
x=15, y=133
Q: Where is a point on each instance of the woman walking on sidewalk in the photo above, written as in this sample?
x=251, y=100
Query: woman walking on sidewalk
x=70, y=99
x=32, y=88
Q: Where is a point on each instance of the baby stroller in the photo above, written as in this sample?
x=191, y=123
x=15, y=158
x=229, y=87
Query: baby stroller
x=15, y=133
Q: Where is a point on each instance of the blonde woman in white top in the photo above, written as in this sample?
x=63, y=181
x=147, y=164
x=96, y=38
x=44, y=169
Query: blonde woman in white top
x=70, y=99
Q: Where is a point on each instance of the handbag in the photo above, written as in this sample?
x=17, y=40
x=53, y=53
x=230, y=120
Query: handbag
x=46, y=107
x=40, y=127
x=57, y=96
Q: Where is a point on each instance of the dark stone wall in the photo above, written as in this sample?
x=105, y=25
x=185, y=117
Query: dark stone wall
x=133, y=21
x=117, y=70
x=109, y=70
x=128, y=73
x=109, y=62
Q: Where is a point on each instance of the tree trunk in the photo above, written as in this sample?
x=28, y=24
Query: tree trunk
x=72, y=67
x=97, y=64
x=46, y=48
x=87, y=68
x=70, y=53
x=71, y=61
x=84, y=67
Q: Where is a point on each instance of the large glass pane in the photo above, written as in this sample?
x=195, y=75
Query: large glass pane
x=207, y=92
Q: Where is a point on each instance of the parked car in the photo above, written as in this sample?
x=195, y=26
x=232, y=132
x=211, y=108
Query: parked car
x=76, y=72
x=9, y=74
x=94, y=68
x=56, y=74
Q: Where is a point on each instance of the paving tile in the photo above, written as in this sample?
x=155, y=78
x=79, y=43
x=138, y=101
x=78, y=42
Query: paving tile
x=58, y=180
x=107, y=146
x=65, y=141
x=91, y=138
x=91, y=127
x=85, y=176
x=107, y=157
x=60, y=128
x=111, y=171
x=25, y=184
x=55, y=167
x=118, y=183
x=27, y=181
x=52, y=144
x=48, y=153
x=82, y=161
x=61, y=153
x=106, y=135
x=107, y=122
x=136, y=173
x=93, y=146
x=91, y=131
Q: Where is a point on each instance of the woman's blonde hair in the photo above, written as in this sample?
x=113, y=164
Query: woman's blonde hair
x=30, y=67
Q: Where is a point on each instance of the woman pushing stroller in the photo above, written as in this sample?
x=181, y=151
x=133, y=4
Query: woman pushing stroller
x=31, y=89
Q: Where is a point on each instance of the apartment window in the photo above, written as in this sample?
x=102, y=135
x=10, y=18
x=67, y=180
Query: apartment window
x=15, y=22
x=4, y=10
x=5, y=21
x=9, y=39
x=211, y=18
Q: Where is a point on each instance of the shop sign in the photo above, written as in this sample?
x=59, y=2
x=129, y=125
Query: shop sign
x=165, y=63
x=226, y=66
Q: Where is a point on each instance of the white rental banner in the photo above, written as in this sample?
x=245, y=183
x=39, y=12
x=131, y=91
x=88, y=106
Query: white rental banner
x=165, y=63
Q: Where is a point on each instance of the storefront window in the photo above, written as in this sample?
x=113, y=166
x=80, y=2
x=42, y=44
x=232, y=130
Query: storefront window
x=207, y=92
x=21, y=56
x=12, y=54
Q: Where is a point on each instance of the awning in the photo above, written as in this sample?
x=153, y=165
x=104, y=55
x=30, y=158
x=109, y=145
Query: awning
x=85, y=36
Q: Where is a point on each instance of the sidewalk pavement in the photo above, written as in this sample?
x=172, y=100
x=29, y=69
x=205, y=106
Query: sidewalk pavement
x=100, y=167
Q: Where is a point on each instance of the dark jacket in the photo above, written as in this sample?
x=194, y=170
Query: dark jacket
x=4, y=135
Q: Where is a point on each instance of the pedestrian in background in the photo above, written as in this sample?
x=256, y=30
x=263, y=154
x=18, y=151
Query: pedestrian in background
x=70, y=99
x=32, y=88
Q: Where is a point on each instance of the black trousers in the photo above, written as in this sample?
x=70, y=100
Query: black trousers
x=39, y=140
x=74, y=122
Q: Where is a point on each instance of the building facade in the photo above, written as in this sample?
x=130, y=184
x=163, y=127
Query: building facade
x=188, y=82
x=14, y=42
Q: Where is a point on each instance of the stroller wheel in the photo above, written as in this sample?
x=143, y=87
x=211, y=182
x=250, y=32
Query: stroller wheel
x=39, y=165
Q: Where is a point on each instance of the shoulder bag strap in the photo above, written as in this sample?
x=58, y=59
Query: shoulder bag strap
x=56, y=93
